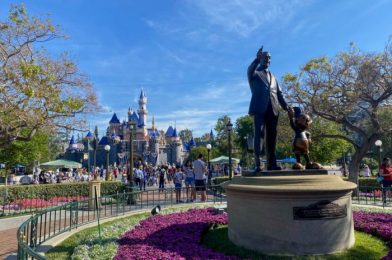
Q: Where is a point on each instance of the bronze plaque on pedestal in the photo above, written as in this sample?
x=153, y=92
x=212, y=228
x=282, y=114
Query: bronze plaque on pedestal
x=321, y=210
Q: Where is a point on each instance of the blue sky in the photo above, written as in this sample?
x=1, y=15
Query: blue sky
x=191, y=56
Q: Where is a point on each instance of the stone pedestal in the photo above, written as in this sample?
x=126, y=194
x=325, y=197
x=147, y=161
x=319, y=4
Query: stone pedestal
x=95, y=184
x=291, y=214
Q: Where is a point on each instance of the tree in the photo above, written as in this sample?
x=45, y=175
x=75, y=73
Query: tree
x=326, y=150
x=26, y=152
x=204, y=138
x=194, y=153
x=185, y=135
x=221, y=139
x=37, y=92
x=350, y=89
x=244, y=130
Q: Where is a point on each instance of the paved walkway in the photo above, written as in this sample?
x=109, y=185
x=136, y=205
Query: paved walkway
x=8, y=243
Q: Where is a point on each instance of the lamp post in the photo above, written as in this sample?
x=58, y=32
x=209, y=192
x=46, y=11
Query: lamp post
x=208, y=160
x=107, y=149
x=229, y=127
x=378, y=143
x=130, y=172
x=95, y=144
x=89, y=137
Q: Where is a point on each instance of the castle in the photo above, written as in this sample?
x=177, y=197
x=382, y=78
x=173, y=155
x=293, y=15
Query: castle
x=150, y=145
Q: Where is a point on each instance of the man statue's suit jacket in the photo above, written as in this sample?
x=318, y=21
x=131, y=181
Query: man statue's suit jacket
x=265, y=89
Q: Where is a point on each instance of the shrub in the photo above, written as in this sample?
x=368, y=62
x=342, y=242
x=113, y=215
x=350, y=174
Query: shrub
x=219, y=180
x=48, y=191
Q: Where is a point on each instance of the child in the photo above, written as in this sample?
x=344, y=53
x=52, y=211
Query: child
x=190, y=182
x=178, y=178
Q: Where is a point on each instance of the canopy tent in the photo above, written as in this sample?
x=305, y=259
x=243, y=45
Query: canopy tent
x=62, y=164
x=289, y=160
x=285, y=160
x=223, y=159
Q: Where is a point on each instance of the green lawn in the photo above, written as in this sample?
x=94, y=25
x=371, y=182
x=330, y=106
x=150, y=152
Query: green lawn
x=366, y=247
x=87, y=243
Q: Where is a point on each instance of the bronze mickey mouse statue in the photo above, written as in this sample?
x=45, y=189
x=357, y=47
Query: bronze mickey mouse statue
x=301, y=122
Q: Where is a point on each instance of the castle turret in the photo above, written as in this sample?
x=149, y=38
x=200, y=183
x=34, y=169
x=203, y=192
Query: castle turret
x=72, y=144
x=114, y=124
x=142, y=111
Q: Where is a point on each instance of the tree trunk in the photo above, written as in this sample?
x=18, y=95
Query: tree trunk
x=353, y=167
x=353, y=170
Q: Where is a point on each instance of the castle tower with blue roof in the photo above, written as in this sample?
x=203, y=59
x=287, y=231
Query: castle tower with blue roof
x=150, y=145
x=142, y=113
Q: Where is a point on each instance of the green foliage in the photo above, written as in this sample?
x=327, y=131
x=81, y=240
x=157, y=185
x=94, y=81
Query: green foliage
x=366, y=247
x=221, y=137
x=243, y=130
x=351, y=89
x=26, y=153
x=39, y=92
x=194, y=153
x=369, y=182
x=284, y=143
x=185, y=135
x=48, y=191
x=326, y=150
x=219, y=180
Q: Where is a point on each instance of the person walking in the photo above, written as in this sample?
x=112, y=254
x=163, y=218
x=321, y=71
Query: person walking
x=162, y=174
x=386, y=173
x=189, y=182
x=200, y=170
x=177, y=179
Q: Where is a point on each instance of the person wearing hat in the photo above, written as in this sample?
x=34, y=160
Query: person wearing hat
x=264, y=107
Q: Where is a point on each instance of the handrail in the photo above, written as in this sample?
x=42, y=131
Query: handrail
x=51, y=222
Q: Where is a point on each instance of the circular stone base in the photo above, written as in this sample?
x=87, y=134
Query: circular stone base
x=291, y=215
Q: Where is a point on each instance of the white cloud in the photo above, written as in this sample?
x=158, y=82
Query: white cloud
x=243, y=17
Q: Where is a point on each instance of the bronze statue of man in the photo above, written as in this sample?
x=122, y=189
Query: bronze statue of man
x=264, y=106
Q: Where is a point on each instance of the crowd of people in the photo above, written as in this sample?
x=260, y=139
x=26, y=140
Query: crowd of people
x=191, y=177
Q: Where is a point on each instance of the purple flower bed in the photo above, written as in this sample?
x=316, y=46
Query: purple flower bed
x=178, y=235
x=173, y=236
x=377, y=224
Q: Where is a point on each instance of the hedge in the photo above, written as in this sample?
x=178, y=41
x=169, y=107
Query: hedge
x=219, y=180
x=48, y=191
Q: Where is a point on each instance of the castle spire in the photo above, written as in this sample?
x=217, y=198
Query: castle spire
x=142, y=111
x=142, y=94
